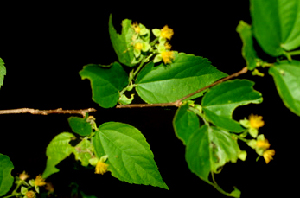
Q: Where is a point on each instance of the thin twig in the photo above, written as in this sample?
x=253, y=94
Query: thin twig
x=244, y=70
x=147, y=105
x=46, y=112
x=178, y=102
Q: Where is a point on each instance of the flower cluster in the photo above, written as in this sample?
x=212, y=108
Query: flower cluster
x=261, y=145
x=30, y=188
x=140, y=41
x=163, y=47
x=142, y=46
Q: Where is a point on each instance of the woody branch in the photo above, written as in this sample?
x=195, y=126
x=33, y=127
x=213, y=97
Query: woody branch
x=46, y=112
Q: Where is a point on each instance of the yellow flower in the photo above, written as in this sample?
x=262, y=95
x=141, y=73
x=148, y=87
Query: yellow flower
x=167, y=45
x=167, y=56
x=101, y=168
x=23, y=176
x=268, y=155
x=30, y=194
x=256, y=121
x=136, y=28
x=166, y=32
x=39, y=181
x=138, y=46
x=264, y=144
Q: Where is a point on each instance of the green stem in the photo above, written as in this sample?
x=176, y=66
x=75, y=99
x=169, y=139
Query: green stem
x=140, y=66
x=14, y=192
x=296, y=52
x=18, y=194
x=289, y=54
x=153, y=42
x=240, y=138
x=266, y=64
x=94, y=126
x=133, y=74
x=196, y=111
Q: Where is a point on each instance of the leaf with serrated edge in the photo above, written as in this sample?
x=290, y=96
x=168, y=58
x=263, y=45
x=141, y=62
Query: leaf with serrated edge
x=286, y=76
x=106, y=82
x=122, y=43
x=58, y=149
x=83, y=152
x=6, y=180
x=168, y=83
x=129, y=156
x=248, y=52
x=207, y=150
x=80, y=126
x=185, y=123
x=220, y=101
x=276, y=25
x=2, y=72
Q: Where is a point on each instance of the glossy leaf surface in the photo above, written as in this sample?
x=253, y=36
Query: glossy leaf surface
x=167, y=83
x=276, y=25
x=129, y=156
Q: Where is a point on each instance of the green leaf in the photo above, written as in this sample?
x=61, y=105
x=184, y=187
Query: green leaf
x=286, y=76
x=6, y=180
x=187, y=74
x=122, y=43
x=58, y=149
x=248, y=52
x=207, y=150
x=129, y=156
x=106, y=82
x=2, y=72
x=80, y=126
x=276, y=24
x=220, y=101
x=185, y=123
x=83, y=152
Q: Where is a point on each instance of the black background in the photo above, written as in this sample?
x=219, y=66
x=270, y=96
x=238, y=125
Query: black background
x=44, y=46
